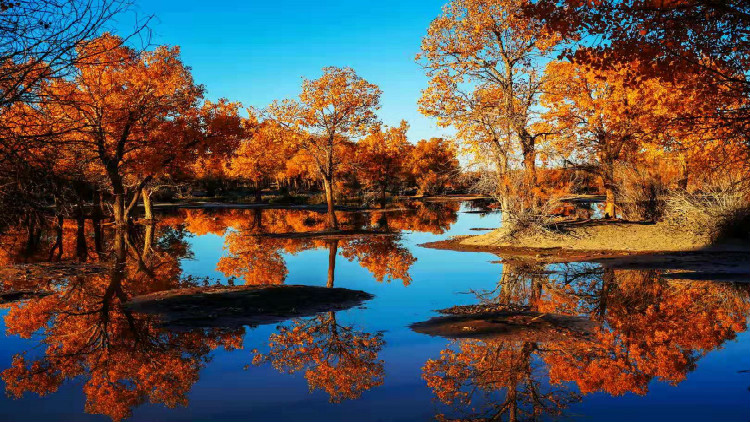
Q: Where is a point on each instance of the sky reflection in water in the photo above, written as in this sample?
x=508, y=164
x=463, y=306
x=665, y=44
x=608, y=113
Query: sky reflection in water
x=661, y=349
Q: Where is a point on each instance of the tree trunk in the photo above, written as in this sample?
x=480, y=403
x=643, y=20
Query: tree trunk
x=258, y=194
x=148, y=207
x=684, y=175
x=118, y=208
x=118, y=190
x=333, y=223
x=148, y=239
x=610, y=203
x=33, y=235
x=610, y=206
x=528, y=149
x=96, y=218
x=58, y=246
x=81, y=248
x=529, y=165
x=333, y=247
x=382, y=196
x=505, y=211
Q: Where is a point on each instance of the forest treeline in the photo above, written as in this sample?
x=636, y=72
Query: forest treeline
x=642, y=101
x=113, y=124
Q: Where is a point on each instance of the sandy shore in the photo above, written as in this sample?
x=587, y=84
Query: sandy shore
x=606, y=236
x=618, y=245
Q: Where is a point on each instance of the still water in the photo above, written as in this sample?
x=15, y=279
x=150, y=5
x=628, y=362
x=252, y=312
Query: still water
x=661, y=348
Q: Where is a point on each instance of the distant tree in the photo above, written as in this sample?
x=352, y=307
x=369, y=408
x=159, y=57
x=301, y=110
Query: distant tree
x=262, y=156
x=434, y=164
x=337, y=105
x=382, y=159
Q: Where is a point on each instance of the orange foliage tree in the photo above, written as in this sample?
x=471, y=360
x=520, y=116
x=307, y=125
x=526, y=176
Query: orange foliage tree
x=338, y=104
x=482, y=57
x=133, y=114
x=262, y=156
x=600, y=118
x=382, y=159
x=433, y=165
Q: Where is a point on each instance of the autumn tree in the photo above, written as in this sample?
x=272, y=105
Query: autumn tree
x=337, y=105
x=382, y=159
x=601, y=119
x=262, y=156
x=39, y=40
x=136, y=113
x=667, y=40
x=484, y=59
x=433, y=165
x=199, y=142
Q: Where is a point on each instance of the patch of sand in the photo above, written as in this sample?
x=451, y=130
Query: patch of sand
x=605, y=236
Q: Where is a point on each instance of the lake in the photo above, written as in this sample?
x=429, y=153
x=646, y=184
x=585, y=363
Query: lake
x=657, y=348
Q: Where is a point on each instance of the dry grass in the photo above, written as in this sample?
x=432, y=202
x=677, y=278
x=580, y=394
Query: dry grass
x=641, y=191
x=524, y=213
x=721, y=211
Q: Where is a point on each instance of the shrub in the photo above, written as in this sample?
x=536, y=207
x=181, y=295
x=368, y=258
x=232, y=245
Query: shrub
x=719, y=211
x=640, y=192
x=529, y=217
x=524, y=212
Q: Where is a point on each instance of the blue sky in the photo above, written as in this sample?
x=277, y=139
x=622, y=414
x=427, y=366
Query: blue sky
x=257, y=51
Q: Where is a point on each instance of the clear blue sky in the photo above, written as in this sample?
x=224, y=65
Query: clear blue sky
x=256, y=51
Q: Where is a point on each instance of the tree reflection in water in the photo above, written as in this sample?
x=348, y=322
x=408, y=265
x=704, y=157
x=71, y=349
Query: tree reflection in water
x=647, y=326
x=338, y=359
x=256, y=241
x=125, y=359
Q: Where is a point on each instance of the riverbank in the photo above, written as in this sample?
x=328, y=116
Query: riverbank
x=305, y=203
x=617, y=244
x=605, y=236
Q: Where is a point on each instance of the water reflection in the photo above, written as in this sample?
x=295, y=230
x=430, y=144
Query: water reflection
x=338, y=359
x=646, y=327
x=125, y=359
x=256, y=241
x=128, y=359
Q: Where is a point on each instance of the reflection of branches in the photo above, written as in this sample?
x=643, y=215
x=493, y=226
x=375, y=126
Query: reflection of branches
x=125, y=358
x=504, y=376
x=337, y=359
x=520, y=285
x=647, y=327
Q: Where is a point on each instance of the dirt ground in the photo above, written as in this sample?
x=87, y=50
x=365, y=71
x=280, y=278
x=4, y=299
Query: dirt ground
x=607, y=236
x=619, y=245
x=235, y=306
x=502, y=323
